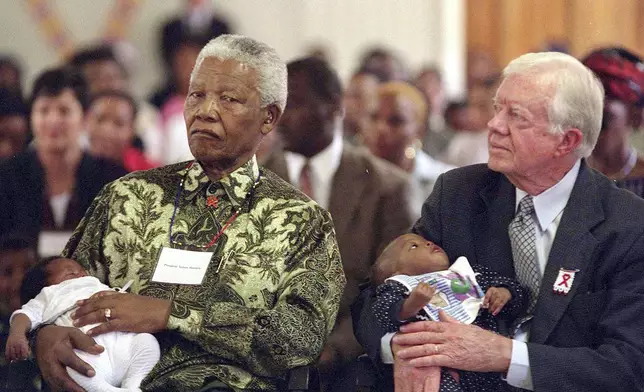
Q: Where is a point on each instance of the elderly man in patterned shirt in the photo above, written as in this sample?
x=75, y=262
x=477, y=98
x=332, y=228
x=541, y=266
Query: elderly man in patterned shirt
x=236, y=272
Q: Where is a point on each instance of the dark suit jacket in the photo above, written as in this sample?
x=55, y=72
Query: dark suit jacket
x=368, y=205
x=22, y=188
x=591, y=339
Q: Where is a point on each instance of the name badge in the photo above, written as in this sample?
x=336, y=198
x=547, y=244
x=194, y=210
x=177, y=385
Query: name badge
x=181, y=266
x=564, y=281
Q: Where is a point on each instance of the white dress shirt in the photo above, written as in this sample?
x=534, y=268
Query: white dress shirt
x=323, y=167
x=423, y=177
x=467, y=148
x=59, y=205
x=548, y=206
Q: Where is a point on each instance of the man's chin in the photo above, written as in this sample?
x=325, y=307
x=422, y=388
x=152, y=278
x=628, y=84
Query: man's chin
x=495, y=165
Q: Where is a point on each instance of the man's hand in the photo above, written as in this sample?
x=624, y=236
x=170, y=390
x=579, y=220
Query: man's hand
x=458, y=346
x=328, y=359
x=408, y=378
x=17, y=347
x=127, y=313
x=55, y=351
x=495, y=299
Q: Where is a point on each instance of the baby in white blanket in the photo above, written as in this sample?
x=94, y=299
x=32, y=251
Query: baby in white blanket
x=49, y=294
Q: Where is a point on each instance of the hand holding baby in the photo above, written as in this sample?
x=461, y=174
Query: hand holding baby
x=128, y=313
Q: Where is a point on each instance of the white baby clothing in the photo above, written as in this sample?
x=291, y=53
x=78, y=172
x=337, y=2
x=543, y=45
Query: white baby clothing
x=127, y=358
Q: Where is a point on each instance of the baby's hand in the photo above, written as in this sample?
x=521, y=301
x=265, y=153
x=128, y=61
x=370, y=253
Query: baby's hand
x=422, y=293
x=17, y=347
x=418, y=298
x=495, y=299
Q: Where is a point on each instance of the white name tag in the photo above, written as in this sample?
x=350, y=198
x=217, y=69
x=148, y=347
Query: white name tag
x=181, y=266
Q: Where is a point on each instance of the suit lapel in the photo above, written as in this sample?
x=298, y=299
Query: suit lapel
x=347, y=188
x=490, y=226
x=582, y=213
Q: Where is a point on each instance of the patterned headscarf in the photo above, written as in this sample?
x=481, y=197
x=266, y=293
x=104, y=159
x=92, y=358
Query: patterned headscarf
x=621, y=72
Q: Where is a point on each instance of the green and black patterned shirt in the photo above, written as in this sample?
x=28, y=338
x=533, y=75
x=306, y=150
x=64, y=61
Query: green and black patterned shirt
x=272, y=304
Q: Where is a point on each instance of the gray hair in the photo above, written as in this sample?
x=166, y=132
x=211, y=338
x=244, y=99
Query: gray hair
x=578, y=98
x=262, y=58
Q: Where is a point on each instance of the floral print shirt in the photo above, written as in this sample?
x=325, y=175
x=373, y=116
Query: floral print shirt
x=272, y=289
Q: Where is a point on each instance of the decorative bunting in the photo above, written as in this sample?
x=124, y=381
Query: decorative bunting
x=51, y=26
x=120, y=20
x=117, y=26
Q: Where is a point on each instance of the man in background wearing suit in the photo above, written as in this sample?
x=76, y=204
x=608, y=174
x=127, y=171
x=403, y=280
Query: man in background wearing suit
x=365, y=195
x=537, y=212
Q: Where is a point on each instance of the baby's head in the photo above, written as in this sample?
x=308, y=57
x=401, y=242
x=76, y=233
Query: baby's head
x=17, y=255
x=48, y=272
x=409, y=254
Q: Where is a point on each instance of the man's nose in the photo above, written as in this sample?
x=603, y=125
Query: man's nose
x=209, y=110
x=53, y=118
x=380, y=128
x=107, y=130
x=498, y=123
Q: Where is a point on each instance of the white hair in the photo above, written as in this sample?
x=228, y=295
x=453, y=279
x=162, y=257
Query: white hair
x=578, y=98
x=272, y=86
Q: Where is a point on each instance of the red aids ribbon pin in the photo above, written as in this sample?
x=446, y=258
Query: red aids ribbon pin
x=564, y=280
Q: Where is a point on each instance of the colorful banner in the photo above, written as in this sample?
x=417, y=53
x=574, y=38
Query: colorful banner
x=120, y=20
x=51, y=26
x=117, y=26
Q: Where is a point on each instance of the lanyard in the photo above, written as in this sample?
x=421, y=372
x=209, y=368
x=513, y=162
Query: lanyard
x=224, y=227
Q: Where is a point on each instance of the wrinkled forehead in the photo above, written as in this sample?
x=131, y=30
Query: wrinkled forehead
x=215, y=69
x=530, y=90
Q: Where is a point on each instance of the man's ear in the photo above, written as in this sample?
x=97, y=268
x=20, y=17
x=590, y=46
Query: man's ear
x=572, y=138
x=272, y=115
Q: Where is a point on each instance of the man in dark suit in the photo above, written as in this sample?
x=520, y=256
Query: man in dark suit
x=580, y=248
x=366, y=196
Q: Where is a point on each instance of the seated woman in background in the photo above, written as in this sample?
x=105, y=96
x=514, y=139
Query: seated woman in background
x=622, y=75
x=110, y=127
x=49, y=187
x=105, y=71
x=397, y=134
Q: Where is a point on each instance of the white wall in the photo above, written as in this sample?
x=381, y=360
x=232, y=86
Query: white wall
x=422, y=31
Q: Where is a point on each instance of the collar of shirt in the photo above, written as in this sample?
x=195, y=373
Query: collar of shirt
x=236, y=185
x=323, y=165
x=549, y=204
x=428, y=168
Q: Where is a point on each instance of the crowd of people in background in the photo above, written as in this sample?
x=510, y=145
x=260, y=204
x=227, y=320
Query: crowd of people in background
x=369, y=151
